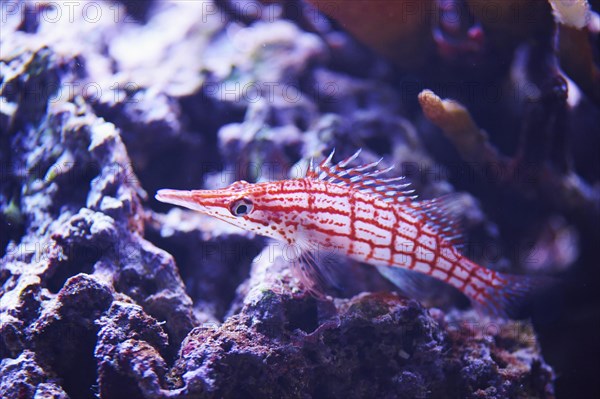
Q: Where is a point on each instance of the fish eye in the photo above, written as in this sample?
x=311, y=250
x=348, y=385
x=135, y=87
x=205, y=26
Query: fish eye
x=241, y=207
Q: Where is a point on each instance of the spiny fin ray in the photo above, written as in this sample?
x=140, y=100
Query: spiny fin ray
x=364, y=178
x=442, y=214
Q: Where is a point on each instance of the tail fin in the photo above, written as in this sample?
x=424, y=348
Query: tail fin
x=505, y=294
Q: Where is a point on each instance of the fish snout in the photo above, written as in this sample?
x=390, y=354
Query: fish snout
x=176, y=197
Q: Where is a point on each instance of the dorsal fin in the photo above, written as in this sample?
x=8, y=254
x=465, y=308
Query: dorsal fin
x=440, y=214
x=443, y=216
x=364, y=178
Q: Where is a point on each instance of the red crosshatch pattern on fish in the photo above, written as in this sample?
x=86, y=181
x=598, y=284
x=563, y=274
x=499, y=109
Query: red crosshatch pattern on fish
x=362, y=215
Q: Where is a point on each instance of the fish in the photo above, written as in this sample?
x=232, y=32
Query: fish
x=355, y=211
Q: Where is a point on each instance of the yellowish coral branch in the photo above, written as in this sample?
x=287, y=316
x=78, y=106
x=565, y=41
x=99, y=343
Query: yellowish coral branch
x=458, y=125
x=573, y=13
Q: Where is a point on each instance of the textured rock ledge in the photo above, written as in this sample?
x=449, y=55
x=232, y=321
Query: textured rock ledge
x=281, y=344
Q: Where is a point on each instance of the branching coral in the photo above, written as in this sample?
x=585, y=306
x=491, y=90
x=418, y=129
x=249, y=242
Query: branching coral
x=567, y=191
x=574, y=48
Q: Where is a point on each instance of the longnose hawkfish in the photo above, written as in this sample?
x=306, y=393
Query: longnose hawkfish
x=364, y=216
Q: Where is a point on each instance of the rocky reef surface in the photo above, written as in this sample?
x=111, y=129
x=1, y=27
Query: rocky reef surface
x=107, y=293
